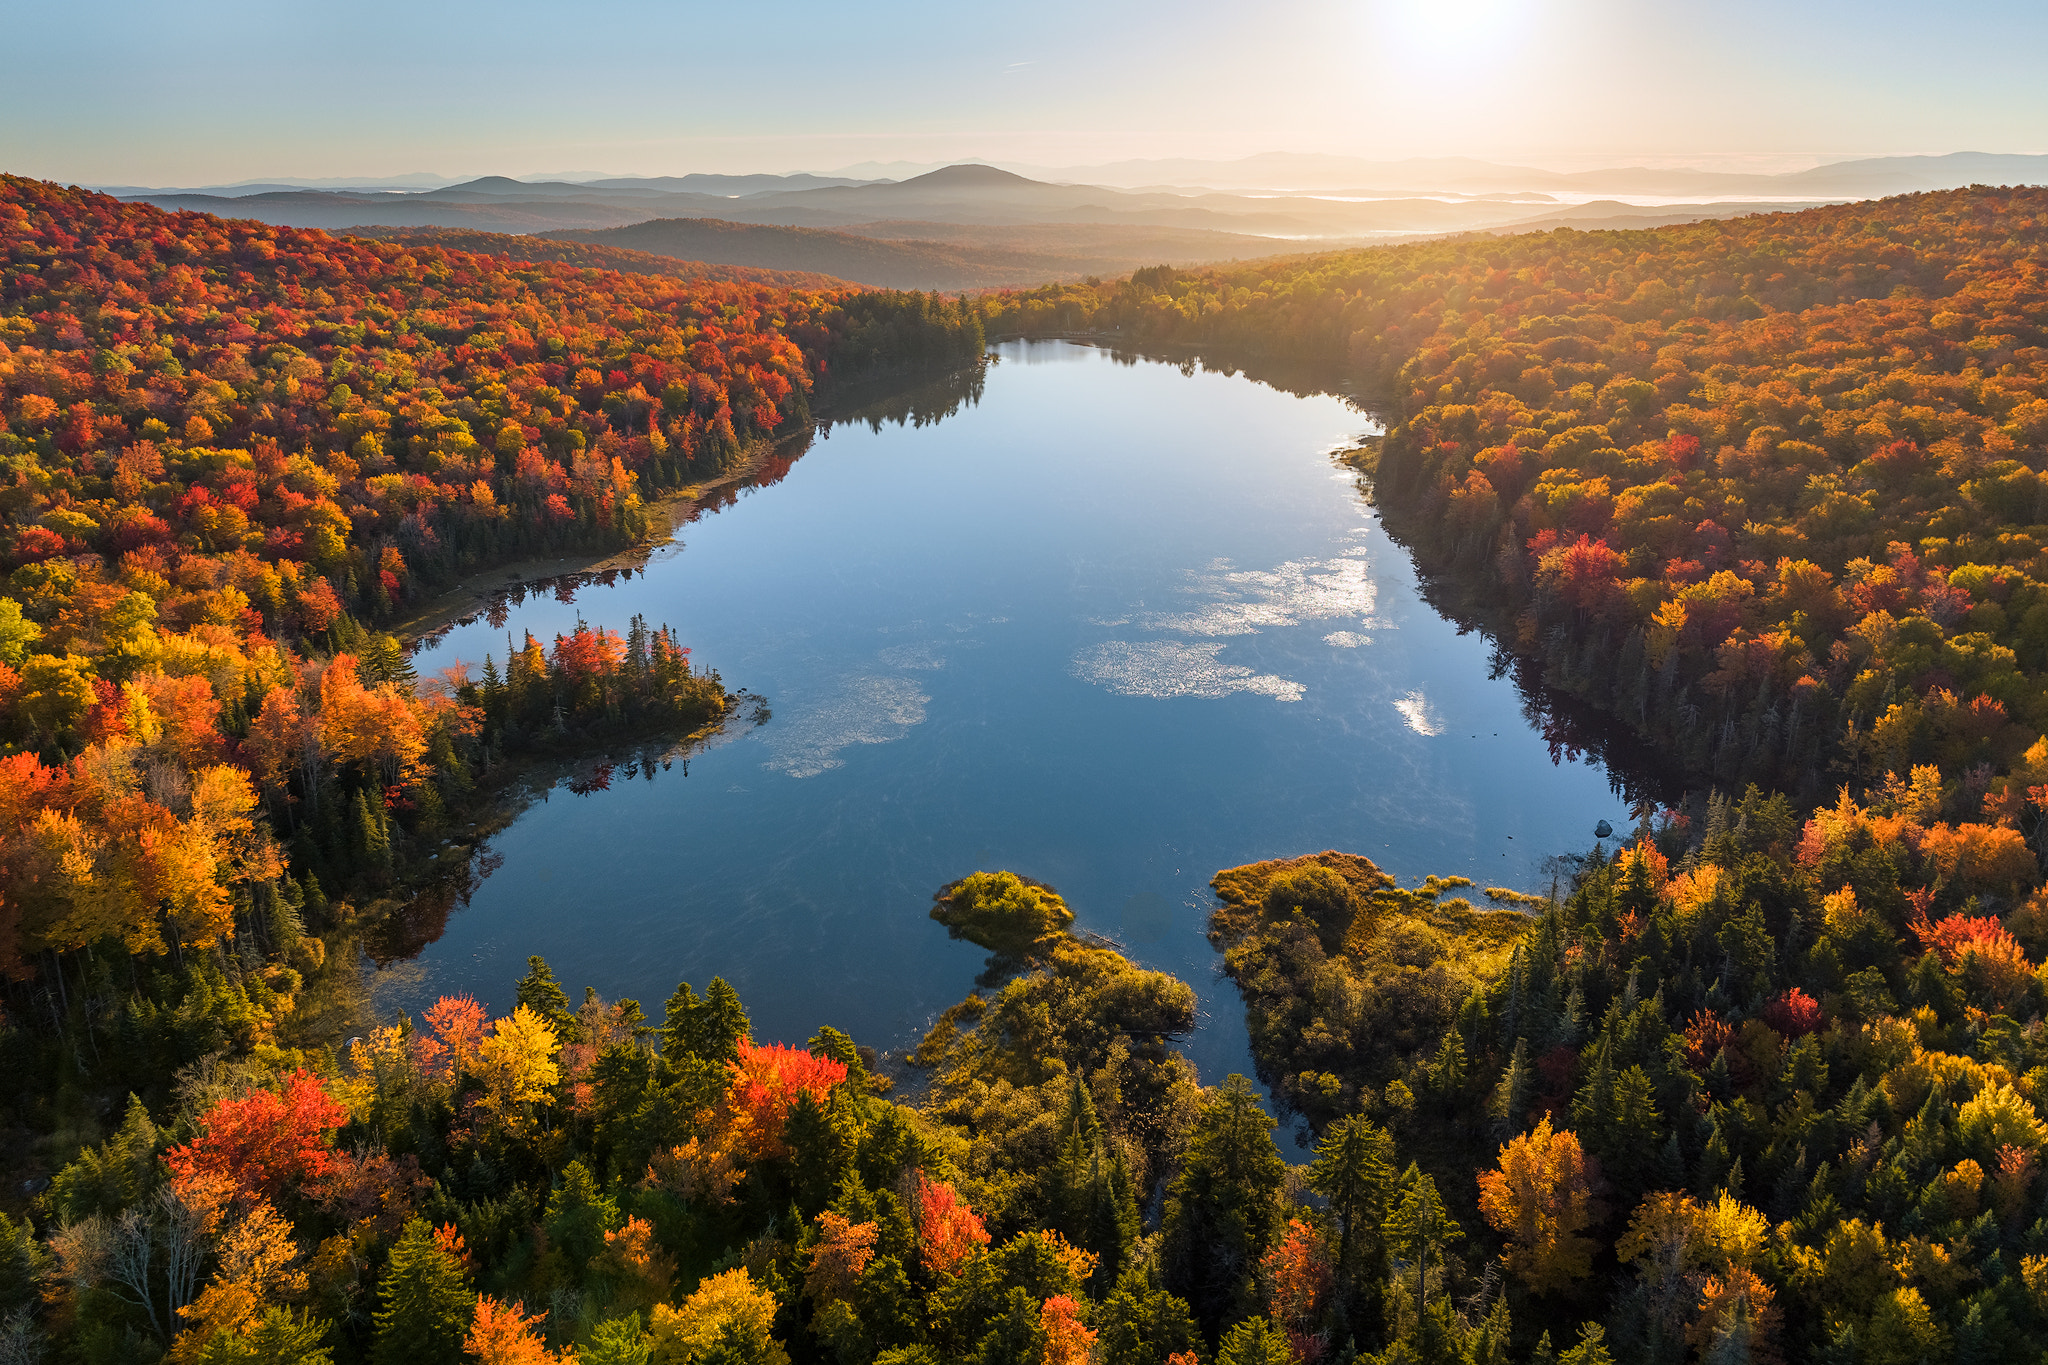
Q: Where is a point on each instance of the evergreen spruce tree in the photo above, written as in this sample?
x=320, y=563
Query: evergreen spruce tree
x=1254, y=1341
x=541, y=993
x=1418, y=1230
x=1075, y=1171
x=1511, y=1096
x=1115, y=1223
x=316, y=902
x=1447, y=1072
x=1142, y=1324
x=1223, y=1209
x=491, y=691
x=1353, y=1169
x=822, y=1141
x=1593, y=1106
x=706, y=1030
x=678, y=1023
x=722, y=1022
x=426, y=1303
x=372, y=841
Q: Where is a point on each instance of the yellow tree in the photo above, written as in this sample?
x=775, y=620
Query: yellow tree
x=376, y=727
x=517, y=1065
x=256, y=1257
x=1697, y=1259
x=224, y=810
x=727, y=1317
x=1543, y=1197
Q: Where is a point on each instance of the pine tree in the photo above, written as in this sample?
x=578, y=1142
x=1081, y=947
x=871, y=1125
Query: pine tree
x=1447, y=1072
x=1116, y=1223
x=706, y=1030
x=636, y=653
x=722, y=1022
x=1075, y=1170
x=282, y=921
x=279, y=1335
x=840, y=1047
x=822, y=1141
x=492, y=692
x=427, y=1301
x=678, y=1023
x=372, y=840
x=1635, y=1123
x=23, y=1266
x=1418, y=1230
x=1592, y=1348
x=539, y=992
x=316, y=902
x=1254, y=1341
x=1094, y=1202
x=1354, y=1170
x=1511, y=1096
x=1593, y=1106
x=1223, y=1209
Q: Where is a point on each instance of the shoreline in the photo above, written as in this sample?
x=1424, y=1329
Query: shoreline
x=472, y=595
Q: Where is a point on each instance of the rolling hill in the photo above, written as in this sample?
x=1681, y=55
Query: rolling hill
x=593, y=256
x=898, y=255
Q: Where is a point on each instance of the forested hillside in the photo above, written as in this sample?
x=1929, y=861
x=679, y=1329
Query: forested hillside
x=231, y=446
x=291, y=404
x=231, y=451
x=1754, y=1089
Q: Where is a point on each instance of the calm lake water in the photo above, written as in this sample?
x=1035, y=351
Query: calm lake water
x=1111, y=625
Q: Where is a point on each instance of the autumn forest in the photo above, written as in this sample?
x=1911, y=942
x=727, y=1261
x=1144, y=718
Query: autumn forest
x=1761, y=1078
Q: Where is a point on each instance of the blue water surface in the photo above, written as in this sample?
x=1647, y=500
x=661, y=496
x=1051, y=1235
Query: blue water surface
x=1114, y=626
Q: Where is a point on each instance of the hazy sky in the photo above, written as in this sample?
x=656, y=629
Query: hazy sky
x=163, y=92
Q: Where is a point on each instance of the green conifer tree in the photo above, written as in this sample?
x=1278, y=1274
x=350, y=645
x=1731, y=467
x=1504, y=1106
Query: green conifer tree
x=1354, y=1170
x=722, y=1022
x=1511, y=1096
x=678, y=1023
x=1254, y=1341
x=1418, y=1230
x=426, y=1303
x=1142, y=1324
x=541, y=993
x=1223, y=1209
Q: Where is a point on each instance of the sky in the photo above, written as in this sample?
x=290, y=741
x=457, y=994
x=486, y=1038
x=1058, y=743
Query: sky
x=191, y=92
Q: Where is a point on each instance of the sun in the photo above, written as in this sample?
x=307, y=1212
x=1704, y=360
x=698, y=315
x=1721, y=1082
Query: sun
x=1439, y=29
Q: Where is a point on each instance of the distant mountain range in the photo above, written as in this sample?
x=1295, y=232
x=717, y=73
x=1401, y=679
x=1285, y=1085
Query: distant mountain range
x=972, y=225
x=1869, y=177
x=959, y=194
x=424, y=184
x=1271, y=171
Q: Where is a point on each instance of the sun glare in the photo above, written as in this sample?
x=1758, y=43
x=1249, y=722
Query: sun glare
x=1443, y=29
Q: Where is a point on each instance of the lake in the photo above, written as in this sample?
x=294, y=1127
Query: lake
x=1114, y=625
